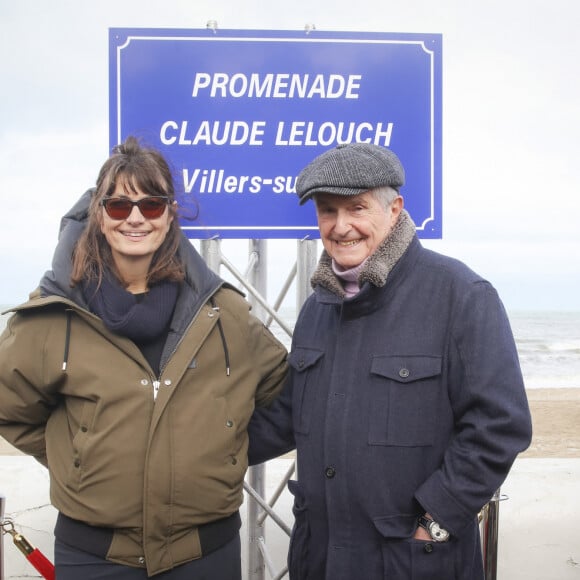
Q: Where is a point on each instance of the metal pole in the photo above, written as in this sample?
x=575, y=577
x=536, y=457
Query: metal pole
x=306, y=265
x=490, y=535
x=210, y=251
x=256, y=475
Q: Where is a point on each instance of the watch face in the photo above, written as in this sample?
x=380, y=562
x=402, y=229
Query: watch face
x=438, y=533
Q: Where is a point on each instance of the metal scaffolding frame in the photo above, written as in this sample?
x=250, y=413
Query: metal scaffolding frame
x=254, y=281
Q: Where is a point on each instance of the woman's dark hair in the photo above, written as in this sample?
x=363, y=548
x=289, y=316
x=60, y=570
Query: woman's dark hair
x=134, y=167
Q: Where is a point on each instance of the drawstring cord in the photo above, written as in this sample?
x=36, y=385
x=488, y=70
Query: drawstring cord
x=67, y=340
x=223, y=337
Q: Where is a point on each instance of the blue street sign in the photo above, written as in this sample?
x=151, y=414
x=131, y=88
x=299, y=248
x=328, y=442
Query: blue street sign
x=238, y=113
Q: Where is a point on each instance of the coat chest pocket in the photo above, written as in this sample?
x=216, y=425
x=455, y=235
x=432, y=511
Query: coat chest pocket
x=404, y=400
x=305, y=364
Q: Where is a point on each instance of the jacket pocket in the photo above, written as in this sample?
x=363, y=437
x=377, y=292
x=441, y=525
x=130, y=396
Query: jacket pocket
x=298, y=548
x=404, y=399
x=405, y=557
x=69, y=456
x=305, y=364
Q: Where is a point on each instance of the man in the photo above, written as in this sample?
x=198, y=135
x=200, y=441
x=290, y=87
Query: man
x=405, y=400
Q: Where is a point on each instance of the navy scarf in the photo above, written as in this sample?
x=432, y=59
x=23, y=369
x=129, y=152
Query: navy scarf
x=142, y=317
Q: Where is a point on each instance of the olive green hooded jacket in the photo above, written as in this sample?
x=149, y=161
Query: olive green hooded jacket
x=151, y=456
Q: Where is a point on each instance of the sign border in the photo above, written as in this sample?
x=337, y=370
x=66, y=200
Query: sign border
x=232, y=35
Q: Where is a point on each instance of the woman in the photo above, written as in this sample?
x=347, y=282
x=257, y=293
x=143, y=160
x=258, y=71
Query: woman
x=132, y=373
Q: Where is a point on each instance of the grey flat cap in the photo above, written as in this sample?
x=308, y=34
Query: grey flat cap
x=350, y=169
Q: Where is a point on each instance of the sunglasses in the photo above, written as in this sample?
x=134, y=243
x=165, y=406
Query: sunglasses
x=120, y=208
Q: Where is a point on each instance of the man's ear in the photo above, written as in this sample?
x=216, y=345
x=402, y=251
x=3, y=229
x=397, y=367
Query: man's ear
x=397, y=206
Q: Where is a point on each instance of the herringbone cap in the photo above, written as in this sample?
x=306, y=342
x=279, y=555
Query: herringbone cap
x=350, y=169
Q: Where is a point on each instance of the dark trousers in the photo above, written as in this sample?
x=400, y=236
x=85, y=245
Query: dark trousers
x=221, y=564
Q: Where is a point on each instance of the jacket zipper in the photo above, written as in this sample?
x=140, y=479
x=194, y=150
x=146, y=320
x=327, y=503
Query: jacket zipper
x=156, y=385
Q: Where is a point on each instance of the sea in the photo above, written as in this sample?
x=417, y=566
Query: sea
x=548, y=344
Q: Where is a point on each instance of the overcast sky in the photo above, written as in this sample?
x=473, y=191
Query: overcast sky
x=511, y=125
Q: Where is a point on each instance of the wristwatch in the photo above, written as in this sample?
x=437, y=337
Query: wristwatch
x=437, y=533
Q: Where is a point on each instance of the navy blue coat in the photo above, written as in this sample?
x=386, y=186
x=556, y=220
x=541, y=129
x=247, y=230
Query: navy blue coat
x=405, y=399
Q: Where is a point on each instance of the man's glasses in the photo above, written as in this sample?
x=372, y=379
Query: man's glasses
x=120, y=208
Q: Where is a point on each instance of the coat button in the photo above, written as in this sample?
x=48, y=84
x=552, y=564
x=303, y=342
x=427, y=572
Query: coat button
x=141, y=560
x=330, y=472
x=229, y=423
x=428, y=548
x=404, y=373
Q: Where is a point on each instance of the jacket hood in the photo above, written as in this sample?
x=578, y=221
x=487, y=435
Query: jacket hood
x=56, y=282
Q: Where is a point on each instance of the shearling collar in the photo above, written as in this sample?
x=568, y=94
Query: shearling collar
x=379, y=264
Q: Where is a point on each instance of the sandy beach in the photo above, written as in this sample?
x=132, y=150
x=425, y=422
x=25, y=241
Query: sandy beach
x=556, y=423
x=556, y=420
